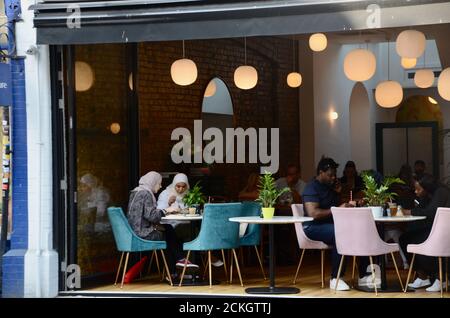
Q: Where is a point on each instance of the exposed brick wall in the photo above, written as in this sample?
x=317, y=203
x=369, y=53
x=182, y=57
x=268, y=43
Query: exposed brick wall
x=165, y=105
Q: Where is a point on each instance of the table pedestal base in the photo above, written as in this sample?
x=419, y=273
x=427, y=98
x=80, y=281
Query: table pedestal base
x=272, y=290
x=393, y=288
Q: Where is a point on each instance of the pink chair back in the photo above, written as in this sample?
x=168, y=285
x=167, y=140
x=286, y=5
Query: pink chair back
x=438, y=242
x=356, y=233
x=303, y=241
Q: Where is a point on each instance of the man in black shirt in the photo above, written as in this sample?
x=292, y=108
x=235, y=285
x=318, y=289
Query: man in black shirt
x=320, y=194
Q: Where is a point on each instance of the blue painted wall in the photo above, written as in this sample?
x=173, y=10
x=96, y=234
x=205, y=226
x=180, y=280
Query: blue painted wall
x=13, y=260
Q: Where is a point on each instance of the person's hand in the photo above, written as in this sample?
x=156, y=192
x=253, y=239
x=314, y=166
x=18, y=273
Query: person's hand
x=406, y=212
x=172, y=209
x=353, y=203
x=172, y=199
x=346, y=205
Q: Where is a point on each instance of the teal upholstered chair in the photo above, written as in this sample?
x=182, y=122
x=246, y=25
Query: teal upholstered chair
x=252, y=236
x=127, y=241
x=216, y=233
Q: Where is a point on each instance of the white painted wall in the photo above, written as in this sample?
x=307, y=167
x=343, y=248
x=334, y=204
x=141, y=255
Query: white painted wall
x=333, y=92
x=41, y=260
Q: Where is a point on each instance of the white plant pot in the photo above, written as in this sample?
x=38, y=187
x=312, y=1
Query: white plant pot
x=377, y=211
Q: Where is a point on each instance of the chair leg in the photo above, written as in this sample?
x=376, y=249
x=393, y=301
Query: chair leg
x=339, y=273
x=440, y=276
x=353, y=271
x=237, y=267
x=150, y=263
x=260, y=262
x=224, y=265
x=409, y=273
x=118, y=270
x=210, y=269
x=231, y=268
x=166, y=268
x=446, y=274
x=396, y=269
x=157, y=263
x=299, y=265
x=184, y=267
x=373, y=275
x=124, y=269
x=206, y=266
x=322, y=259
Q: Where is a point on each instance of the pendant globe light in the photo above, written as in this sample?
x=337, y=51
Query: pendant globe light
x=318, y=42
x=408, y=63
x=410, y=44
x=444, y=84
x=210, y=89
x=360, y=65
x=183, y=71
x=294, y=79
x=389, y=94
x=424, y=78
x=245, y=76
x=84, y=76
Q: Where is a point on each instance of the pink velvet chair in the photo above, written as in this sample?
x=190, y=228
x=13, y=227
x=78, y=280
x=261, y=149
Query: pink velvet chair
x=436, y=245
x=357, y=235
x=305, y=243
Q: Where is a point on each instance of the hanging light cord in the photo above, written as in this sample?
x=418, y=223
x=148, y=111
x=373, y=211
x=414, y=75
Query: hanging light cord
x=183, y=48
x=293, y=54
x=389, y=60
x=245, y=50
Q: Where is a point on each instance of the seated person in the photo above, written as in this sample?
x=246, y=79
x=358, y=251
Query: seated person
x=431, y=195
x=251, y=191
x=405, y=192
x=292, y=181
x=351, y=181
x=405, y=198
x=144, y=218
x=319, y=196
x=173, y=195
x=419, y=169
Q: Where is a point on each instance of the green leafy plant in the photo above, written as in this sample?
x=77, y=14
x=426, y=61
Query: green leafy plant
x=268, y=193
x=194, y=196
x=378, y=195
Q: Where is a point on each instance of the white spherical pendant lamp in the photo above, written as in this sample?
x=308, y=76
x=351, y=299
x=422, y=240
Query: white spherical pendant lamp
x=408, y=63
x=245, y=77
x=360, y=65
x=84, y=76
x=183, y=72
x=294, y=79
x=424, y=78
x=444, y=84
x=318, y=42
x=411, y=44
x=389, y=94
x=115, y=128
x=210, y=89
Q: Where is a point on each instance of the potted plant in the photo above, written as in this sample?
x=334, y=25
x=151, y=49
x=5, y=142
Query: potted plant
x=268, y=194
x=194, y=198
x=376, y=195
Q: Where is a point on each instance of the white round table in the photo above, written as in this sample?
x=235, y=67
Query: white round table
x=396, y=219
x=271, y=222
x=183, y=217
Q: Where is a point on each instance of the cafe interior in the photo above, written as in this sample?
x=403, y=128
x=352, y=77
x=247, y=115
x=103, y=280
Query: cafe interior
x=378, y=97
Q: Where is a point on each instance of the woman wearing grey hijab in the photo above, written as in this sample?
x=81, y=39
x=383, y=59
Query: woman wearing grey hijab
x=144, y=217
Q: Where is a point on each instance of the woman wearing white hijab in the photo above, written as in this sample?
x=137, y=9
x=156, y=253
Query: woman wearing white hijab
x=173, y=196
x=144, y=217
